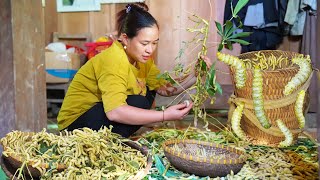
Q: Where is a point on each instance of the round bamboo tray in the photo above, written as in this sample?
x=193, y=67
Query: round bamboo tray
x=276, y=104
x=203, y=158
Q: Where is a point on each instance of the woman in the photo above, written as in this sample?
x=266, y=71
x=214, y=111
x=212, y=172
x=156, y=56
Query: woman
x=117, y=87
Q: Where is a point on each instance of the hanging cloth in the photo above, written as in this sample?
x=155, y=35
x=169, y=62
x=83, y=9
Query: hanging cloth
x=296, y=14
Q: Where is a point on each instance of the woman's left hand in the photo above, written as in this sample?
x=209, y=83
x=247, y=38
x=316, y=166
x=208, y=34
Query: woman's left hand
x=207, y=60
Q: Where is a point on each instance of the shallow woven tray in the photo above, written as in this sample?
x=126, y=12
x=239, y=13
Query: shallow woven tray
x=12, y=163
x=187, y=160
x=10, y=171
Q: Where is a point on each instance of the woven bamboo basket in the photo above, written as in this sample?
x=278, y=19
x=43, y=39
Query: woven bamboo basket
x=276, y=104
x=203, y=158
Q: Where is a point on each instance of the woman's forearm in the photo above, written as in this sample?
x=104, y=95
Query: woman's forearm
x=134, y=116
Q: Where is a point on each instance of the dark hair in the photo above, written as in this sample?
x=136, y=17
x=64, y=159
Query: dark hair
x=133, y=18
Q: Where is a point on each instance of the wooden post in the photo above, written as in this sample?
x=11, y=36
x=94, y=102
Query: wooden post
x=318, y=81
x=22, y=74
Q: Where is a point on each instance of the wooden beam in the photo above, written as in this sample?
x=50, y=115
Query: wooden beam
x=318, y=82
x=6, y=74
x=22, y=75
x=51, y=20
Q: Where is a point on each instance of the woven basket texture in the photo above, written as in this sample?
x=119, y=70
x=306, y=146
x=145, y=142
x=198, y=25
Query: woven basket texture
x=203, y=158
x=274, y=82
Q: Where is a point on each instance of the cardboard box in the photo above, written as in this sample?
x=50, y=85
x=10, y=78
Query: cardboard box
x=61, y=67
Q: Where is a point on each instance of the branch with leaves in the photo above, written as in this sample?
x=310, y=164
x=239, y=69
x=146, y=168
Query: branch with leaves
x=227, y=31
x=206, y=85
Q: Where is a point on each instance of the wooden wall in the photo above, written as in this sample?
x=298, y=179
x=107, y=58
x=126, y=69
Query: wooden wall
x=96, y=23
x=172, y=17
x=318, y=82
x=22, y=78
x=7, y=110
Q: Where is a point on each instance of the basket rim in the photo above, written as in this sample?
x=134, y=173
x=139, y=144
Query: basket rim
x=294, y=67
x=14, y=156
x=280, y=51
x=198, y=159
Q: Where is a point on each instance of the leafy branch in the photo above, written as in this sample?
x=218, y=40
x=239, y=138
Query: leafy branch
x=206, y=85
x=227, y=31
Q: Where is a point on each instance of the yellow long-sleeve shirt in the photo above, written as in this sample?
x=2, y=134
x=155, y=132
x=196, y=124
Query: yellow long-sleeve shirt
x=108, y=77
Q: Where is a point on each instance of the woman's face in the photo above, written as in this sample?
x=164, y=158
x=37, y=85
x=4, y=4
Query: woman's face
x=141, y=47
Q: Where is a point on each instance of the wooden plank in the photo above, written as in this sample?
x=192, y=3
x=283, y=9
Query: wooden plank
x=28, y=60
x=104, y=22
x=22, y=95
x=318, y=82
x=7, y=109
x=73, y=22
x=50, y=20
x=77, y=40
x=170, y=39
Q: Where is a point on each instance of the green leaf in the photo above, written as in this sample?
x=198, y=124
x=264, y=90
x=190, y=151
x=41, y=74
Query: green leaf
x=43, y=147
x=211, y=91
x=219, y=27
x=161, y=168
x=203, y=65
x=228, y=30
x=209, y=86
x=229, y=45
x=159, y=164
x=111, y=168
x=239, y=6
x=243, y=42
x=134, y=164
x=230, y=33
x=2, y=174
x=232, y=10
x=123, y=176
x=242, y=34
x=166, y=76
x=240, y=22
x=218, y=88
x=52, y=165
x=220, y=47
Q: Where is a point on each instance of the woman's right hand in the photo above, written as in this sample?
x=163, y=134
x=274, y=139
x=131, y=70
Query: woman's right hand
x=177, y=112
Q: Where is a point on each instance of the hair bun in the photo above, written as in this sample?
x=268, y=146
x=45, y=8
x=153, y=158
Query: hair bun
x=141, y=6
